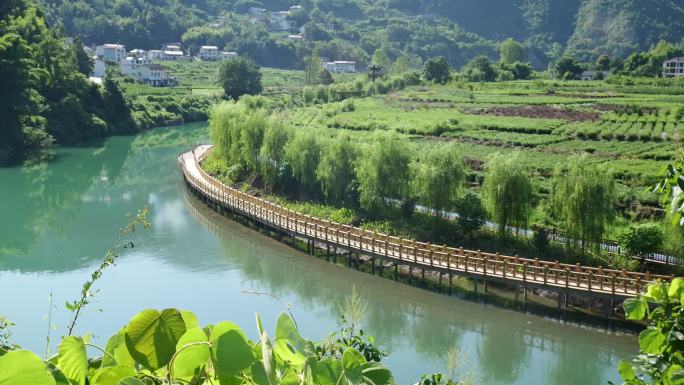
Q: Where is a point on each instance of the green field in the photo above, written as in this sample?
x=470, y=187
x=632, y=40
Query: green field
x=634, y=134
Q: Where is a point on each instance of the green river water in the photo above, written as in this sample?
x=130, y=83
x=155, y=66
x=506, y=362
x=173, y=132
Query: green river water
x=59, y=219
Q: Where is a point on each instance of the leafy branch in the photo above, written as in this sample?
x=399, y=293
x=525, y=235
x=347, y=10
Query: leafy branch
x=110, y=257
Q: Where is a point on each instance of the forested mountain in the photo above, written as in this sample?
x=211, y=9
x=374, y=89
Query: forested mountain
x=456, y=29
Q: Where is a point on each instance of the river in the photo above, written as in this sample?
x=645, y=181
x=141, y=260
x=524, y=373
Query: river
x=59, y=219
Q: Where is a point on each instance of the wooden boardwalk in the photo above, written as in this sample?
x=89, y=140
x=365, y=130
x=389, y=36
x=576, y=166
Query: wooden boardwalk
x=565, y=278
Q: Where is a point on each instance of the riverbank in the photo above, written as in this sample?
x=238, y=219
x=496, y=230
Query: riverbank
x=362, y=247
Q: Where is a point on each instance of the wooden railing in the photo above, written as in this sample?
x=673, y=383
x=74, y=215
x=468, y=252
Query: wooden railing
x=459, y=261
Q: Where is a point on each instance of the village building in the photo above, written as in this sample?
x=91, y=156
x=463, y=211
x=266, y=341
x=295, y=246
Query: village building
x=279, y=21
x=340, y=66
x=99, y=68
x=227, y=55
x=155, y=54
x=208, y=52
x=295, y=37
x=111, y=52
x=171, y=55
x=673, y=68
x=139, y=53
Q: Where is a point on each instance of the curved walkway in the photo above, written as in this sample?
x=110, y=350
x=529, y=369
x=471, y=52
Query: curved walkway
x=555, y=276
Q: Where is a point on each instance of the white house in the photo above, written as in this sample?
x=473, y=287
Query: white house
x=140, y=53
x=295, y=37
x=158, y=77
x=208, y=52
x=673, y=68
x=155, y=54
x=340, y=66
x=99, y=68
x=279, y=21
x=226, y=55
x=171, y=55
x=111, y=52
x=130, y=66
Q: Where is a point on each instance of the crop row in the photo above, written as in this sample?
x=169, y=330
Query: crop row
x=630, y=131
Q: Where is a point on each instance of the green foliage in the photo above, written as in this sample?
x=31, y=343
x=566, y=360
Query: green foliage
x=384, y=172
x=240, y=76
x=583, y=201
x=471, y=213
x=660, y=360
x=439, y=176
x=568, y=68
x=237, y=132
x=303, y=154
x=480, y=69
x=335, y=171
x=272, y=152
x=437, y=70
x=167, y=349
x=507, y=191
x=642, y=239
x=510, y=51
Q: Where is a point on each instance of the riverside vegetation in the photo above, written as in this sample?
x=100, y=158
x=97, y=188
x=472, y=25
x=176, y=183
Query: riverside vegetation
x=370, y=161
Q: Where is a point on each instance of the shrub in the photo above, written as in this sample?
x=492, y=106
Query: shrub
x=642, y=239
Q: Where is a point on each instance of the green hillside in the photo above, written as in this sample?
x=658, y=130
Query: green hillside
x=456, y=29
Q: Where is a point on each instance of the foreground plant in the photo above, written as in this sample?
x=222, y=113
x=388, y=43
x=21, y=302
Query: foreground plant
x=170, y=347
x=661, y=345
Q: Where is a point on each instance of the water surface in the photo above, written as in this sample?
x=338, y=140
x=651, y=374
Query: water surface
x=59, y=219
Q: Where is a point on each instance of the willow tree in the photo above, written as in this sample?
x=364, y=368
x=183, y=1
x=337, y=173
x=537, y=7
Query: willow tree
x=335, y=171
x=507, y=191
x=237, y=133
x=303, y=153
x=272, y=152
x=438, y=178
x=583, y=201
x=383, y=172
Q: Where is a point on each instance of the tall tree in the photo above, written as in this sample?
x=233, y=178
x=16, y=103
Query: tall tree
x=383, y=172
x=583, y=201
x=438, y=178
x=510, y=51
x=335, y=171
x=303, y=153
x=272, y=152
x=401, y=65
x=313, y=68
x=240, y=76
x=380, y=58
x=507, y=191
x=437, y=69
x=84, y=62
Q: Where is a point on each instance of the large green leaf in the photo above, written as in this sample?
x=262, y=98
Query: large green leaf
x=652, y=341
x=635, y=308
x=190, y=319
x=290, y=346
x=327, y=371
x=676, y=288
x=112, y=375
x=151, y=336
x=268, y=358
x=655, y=291
x=192, y=353
x=230, y=350
x=375, y=373
x=118, y=352
x=351, y=362
x=22, y=367
x=626, y=371
x=72, y=360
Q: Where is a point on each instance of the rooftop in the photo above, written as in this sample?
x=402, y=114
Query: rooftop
x=208, y=47
x=120, y=46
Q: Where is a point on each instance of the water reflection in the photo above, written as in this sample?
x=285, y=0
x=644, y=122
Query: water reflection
x=62, y=215
x=506, y=344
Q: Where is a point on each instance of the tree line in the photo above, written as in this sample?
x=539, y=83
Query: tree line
x=374, y=177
